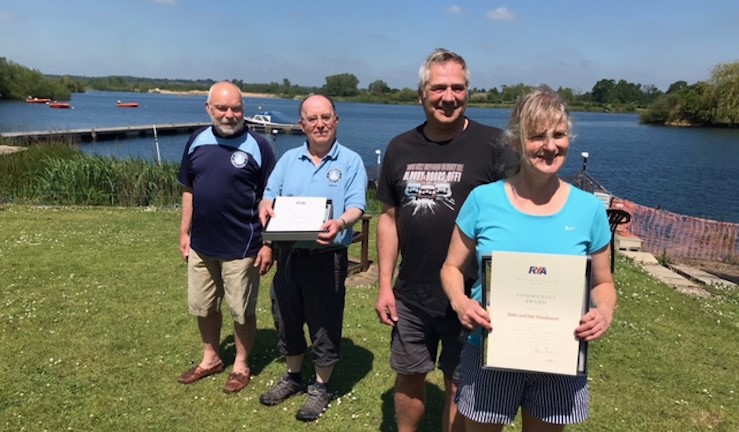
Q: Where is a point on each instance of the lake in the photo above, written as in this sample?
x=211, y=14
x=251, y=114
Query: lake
x=689, y=171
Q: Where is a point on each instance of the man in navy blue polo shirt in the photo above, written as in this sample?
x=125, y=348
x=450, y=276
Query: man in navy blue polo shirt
x=308, y=287
x=224, y=171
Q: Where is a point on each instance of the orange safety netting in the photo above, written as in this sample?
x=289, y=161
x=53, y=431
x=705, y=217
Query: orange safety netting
x=677, y=235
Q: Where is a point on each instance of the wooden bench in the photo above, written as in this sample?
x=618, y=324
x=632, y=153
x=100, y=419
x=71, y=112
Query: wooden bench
x=362, y=236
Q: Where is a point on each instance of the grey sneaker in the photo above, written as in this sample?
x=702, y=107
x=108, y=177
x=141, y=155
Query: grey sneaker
x=315, y=405
x=281, y=391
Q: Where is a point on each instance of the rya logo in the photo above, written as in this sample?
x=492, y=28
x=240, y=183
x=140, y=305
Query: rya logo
x=537, y=270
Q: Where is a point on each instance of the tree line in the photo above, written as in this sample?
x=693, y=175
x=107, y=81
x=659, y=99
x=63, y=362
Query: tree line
x=18, y=82
x=707, y=103
x=711, y=103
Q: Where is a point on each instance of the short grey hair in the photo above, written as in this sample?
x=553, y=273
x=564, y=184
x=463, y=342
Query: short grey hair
x=440, y=56
x=212, y=88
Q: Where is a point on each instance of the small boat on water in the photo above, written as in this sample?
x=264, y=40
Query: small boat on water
x=120, y=104
x=62, y=105
x=35, y=100
x=269, y=121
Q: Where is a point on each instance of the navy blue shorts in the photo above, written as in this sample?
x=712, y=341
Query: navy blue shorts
x=494, y=396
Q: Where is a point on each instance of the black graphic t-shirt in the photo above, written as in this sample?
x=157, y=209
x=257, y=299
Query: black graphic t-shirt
x=427, y=182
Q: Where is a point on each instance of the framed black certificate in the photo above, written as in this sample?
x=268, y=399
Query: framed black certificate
x=535, y=302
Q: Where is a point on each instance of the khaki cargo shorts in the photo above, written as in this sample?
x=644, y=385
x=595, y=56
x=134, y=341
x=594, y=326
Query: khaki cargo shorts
x=209, y=280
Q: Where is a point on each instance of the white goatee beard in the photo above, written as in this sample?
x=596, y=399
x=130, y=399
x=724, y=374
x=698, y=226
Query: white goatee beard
x=228, y=129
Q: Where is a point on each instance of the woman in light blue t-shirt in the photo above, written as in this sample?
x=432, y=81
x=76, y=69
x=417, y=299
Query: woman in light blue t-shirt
x=531, y=211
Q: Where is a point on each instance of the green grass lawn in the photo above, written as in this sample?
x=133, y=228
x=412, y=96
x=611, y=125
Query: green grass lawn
x=94, y=331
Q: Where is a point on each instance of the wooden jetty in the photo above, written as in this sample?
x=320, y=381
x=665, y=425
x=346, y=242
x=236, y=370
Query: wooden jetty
x=120, y=132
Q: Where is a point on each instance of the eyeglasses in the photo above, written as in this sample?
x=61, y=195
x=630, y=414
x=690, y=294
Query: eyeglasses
x=313, y=120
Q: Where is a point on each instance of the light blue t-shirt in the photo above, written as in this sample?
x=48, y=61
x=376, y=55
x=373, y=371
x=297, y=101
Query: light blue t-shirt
x=340, y=177
x=488, y=217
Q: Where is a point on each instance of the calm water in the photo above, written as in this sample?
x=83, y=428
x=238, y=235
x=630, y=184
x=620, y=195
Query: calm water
x=689, y=171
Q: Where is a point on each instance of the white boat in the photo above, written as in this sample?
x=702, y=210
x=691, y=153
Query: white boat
x=271, y=121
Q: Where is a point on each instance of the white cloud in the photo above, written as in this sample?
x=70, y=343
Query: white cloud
x=165, y=2
x=454, y=10
x=500, y=14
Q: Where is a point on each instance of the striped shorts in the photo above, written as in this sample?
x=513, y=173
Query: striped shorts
x=494, y=396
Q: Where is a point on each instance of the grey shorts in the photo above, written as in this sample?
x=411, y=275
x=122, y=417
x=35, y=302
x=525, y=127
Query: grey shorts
x=415, y=343
x=209, y=280
x=494, y=396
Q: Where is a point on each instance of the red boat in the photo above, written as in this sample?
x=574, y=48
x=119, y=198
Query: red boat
x=29, y=99
x=60, y=105
x=120, y=104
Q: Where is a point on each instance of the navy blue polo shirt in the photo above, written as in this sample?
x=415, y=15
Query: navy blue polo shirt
x=227, y=177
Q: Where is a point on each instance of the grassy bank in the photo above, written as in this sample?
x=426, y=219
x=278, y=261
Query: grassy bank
x=94, y=331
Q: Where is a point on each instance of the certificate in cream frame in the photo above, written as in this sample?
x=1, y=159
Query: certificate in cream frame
x=535, y=303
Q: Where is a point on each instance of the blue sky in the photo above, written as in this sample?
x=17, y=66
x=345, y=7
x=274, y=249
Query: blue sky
x=571, y=43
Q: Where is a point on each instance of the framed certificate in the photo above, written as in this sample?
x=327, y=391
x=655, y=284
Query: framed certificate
x=535, y=302
x=297, y=218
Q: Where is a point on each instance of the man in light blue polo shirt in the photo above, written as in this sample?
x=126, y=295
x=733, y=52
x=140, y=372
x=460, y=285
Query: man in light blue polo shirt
x=308, y=286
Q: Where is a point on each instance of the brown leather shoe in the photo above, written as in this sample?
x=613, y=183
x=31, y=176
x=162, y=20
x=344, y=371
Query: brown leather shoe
x=197, y=373
x=237, y=381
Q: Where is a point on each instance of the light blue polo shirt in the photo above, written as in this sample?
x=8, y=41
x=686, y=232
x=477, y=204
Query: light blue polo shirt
x=340, y=177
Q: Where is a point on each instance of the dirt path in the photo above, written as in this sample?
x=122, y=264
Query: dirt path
x=205, y=93
x=727, y=271
x=6, y=149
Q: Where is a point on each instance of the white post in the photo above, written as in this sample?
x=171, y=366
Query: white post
x=156, y=143
x=274, y=140
x=378, y=152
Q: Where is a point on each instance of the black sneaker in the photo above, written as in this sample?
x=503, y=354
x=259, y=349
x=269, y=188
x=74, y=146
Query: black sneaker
x=315, y=405
x=280, y=392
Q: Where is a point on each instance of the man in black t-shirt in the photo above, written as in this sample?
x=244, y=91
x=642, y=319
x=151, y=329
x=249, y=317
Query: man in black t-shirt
x=426, y=175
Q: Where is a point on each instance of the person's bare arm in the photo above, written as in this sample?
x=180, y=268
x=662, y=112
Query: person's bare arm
x=331, y=228
x=265, y=211
x=186, y=223
x=471, y=313
x=387, y=257
x=597, y=320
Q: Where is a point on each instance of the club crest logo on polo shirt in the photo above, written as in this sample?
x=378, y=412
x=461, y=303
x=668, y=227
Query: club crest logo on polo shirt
x=334, y=175
x=239, y=159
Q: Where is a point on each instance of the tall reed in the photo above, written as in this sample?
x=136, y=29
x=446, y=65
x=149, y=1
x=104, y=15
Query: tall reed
x=59, y=174
x=17, y=170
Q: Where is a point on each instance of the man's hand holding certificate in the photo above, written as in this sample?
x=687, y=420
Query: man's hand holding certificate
x=295, y=218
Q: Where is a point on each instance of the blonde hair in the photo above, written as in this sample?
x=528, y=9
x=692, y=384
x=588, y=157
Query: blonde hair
x=540, y=109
